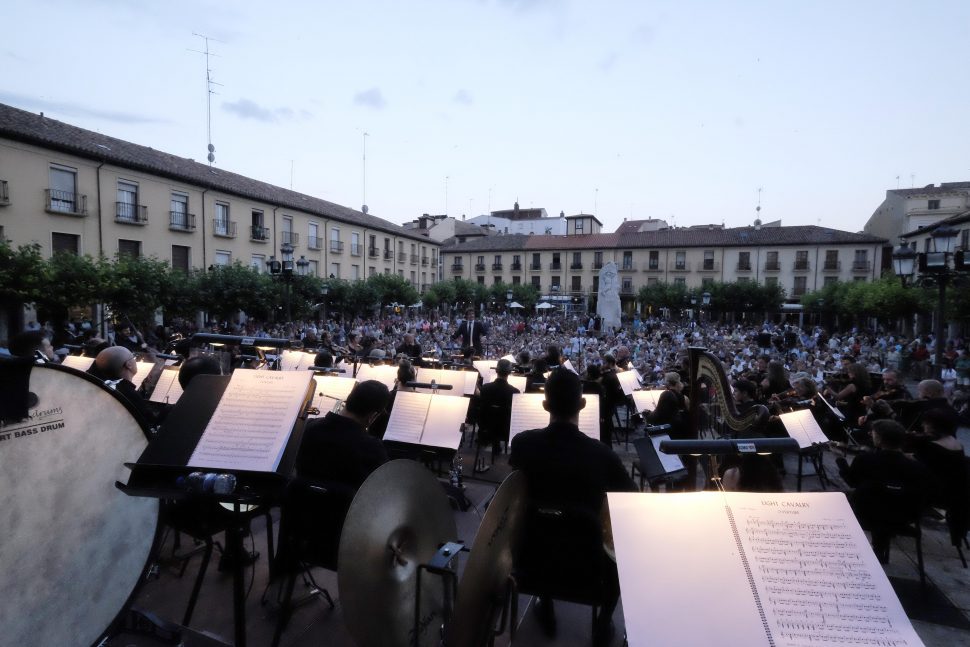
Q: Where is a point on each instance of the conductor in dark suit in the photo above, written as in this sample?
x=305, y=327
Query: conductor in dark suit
x=471, y=332
x=496, y=405
x=568, y=471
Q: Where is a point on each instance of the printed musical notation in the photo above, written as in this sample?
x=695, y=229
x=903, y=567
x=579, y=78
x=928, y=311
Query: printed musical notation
x=424, y=419
x=802, y=426
x=253, y=421
x=527, y=413
x=812, y=577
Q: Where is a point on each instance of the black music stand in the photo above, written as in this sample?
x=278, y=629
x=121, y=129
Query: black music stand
x=161, y=468
x=650, y=467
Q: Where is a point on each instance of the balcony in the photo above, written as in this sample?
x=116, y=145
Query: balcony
x=555, y=266
x=424, y=288
x=457, y=268
x=535, y=267
x=414, y=259
x=653, y=266
x=388, y=255
x=131, y=214
x=744, y=267
x=373, y=252
x=576, y=289
x=258, y=233
x=628, y=266
x=798, y=292
x=861, y=266
x=424, y=261
x=772, y=266
x=223, y=228
x=355, y=249
x=516, y=267
x=479, y=267
x=575, y=266
x=336, y=247
x=832, y=266
x=402, y=257
x=680, y=267
x=626, y=290
x=314, y=242
x=801, y=266
x=555, y=288
x=4, y=193
x=496, y=267
x=181, y=221
x=710, y=266
x=597, y=265
x=72, y=204
x=289, y=237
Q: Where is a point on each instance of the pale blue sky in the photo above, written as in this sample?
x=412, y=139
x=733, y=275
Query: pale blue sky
x=677, y=110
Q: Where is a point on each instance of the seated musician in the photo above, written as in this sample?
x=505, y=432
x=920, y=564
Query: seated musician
x=891, y=390
x=337, y=447
x=116, y=365
x=554, y=357
x=745, y=395
x=611, y=384
x=871, y=473
x=623, y=357
x=593, y=386
x=672, y=406
x=937, y=447
x=751, y=473
x=775, y=381
x=523, y=363
x=198, y=365
x=536, y=377
x=405, y=374
x=323, y=359
x=495, y=402
x=930, y=394
x=32, y=344
x=803, y=388
x=410, y=349
x=565, y=468
x=850, y=397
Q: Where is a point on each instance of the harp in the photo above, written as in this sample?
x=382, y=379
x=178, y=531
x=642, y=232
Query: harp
x=723, y=418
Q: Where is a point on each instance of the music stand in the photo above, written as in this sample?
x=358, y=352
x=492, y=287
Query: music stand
x=163, y=466
x=651, y=463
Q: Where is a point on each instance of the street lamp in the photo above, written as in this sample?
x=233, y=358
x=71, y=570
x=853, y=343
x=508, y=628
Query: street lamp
x=324, y=291
x=282, y=270
x=935, y=264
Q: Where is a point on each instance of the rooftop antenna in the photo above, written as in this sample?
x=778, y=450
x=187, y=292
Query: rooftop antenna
x=446, y=195
x=208, y=93
x=364, y=189
x=596, y=201
x=291, y=175
x=897, y=182
x=912, y=180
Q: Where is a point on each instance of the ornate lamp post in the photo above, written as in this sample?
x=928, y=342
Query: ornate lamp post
x=282, y=270
x=934, y=266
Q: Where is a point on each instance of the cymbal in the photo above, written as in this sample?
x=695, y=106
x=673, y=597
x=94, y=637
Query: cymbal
x=482, y=587
x=396, y=522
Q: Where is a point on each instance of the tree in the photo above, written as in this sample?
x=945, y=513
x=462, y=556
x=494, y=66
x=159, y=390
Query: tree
x=440, y=295
x=392, y=288
x=136, y=287
x=68, y=281
x=21, y=273
x=527, y=295
x=362, y=297
x=224, y=290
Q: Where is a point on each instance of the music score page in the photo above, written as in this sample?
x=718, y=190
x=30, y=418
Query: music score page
x=797, y=566
x=646, y=400
x=802, y=426
x=253, y=421
x=527, y=413
x=167, y=389
x=629, y=381
x=670, y=462
x=425, y=419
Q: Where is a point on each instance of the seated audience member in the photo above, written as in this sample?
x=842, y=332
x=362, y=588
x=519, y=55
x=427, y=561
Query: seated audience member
x=567, y=469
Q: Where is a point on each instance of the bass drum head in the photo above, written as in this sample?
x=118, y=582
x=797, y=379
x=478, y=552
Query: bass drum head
x=74, y=546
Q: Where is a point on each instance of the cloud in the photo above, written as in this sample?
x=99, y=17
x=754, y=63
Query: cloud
x=371, y=98
x=248, y=109
x=463, y=97
x=607, y=62
x=71, y=109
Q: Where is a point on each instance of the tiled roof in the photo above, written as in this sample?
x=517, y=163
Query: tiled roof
x=468, y=229
x=31, y=128
x=680, y=237
x=930, y=189
x=958, y=219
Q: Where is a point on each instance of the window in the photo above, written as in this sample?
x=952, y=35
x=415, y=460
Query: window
x=556, y=285
x=861, y=260
x=577, y=285
x=933, y=204
x=627, y=285
x=178, y=214
x=335, y=269
x=223, y=257
x=744, y=261
x=371, y=271
x=744, y=279
x=221, y=223
x=596, y=283
x=257, y=228
x=65, y=243
x=579, y=225
x=414, y=277
x=130, y=248
x=62, y=196
x=313, y=236
x=516, y=280
x=627, y=261
x=680, y=261
x=801, y=259
x=355, y=272
x=831, y=259
x=516, y=262
x=355, y=244
x=313, y=269
x=680, y=280
x=707, y=283
x=771, y=261
x=771, y=280
x=654, y=260
x=481, y=280
x=180, y=258
x=577, y=263
x=653, y=280
x=498, y=260
x=128, y=202
x=800, y=283
x=536, y=282
x=556, y=263
x=830, y=280
x=597, y=260
x=708, y=259
x=536, y=262
x=495, y=279
x=258, y=262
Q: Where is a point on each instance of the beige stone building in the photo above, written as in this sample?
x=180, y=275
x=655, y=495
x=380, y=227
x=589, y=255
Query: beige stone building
x=800, y=259
x=82, y=192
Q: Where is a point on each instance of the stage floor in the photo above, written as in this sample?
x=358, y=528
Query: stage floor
x=941, y=615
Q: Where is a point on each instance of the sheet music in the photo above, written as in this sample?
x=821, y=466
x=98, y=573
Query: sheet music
x=527, y=413
x=484, y=365
x=509, y=357
x=518, y=381
x=799, y=566
x=408, y=416
x=471, y=382
x=253, y=421
x=445, y=418
x=456, y=379
x=144, y=368
x=628, y=381
x=670, y=462
x=292, y=360
x=802, y=426
x=80, y=363
x=382, y=373
x=646, y=400
x=569, y=365
x=335, y=386
x=167, y=389
x=323, y=404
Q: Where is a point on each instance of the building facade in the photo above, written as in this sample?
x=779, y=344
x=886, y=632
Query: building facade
x=800, y=259
x=78, y=191
x=908, y=210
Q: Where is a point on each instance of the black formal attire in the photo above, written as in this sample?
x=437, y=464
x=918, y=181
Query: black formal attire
x=495, y=401
x=471, y=333
x=336, y=448
x=133, y=343
x=127, y=390
x=567, y=470
x=910, y=413
x=410, y=350
x=671, y=410
x=614, y=392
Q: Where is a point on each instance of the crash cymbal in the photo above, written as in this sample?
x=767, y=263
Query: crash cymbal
x=396, y=522
x=483, y=584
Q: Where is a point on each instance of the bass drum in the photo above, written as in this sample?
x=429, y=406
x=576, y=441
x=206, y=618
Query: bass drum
x=74, y=547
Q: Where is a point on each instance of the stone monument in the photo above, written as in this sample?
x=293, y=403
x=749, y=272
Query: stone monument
x=608, y=298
